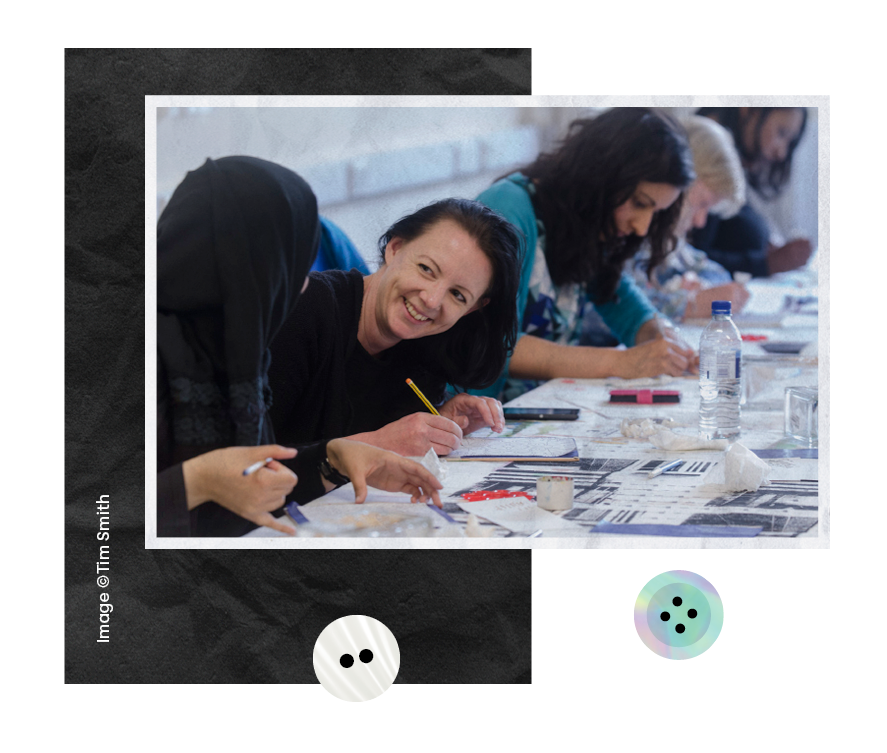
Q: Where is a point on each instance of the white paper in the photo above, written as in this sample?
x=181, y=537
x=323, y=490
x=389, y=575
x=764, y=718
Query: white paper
x=524, y=447
x=520, y=515
x=743, y=470
x=431, y=462
x=668, y=440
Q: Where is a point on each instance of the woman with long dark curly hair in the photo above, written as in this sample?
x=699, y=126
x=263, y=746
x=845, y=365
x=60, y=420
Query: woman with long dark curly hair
x=766, y=138
x=615, y=182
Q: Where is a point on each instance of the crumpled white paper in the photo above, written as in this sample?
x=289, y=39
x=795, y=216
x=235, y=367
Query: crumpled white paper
x=473, y=528
x=666, y=439
x=431, y=462
x=743, y=470
x=644, y=427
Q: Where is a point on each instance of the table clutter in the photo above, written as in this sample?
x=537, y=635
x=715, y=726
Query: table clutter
x=636, y=467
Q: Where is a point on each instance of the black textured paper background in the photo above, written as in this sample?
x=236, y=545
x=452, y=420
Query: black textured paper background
x=235, y=615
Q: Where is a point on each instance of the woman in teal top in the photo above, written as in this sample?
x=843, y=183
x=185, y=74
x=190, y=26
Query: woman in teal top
x=584, y=210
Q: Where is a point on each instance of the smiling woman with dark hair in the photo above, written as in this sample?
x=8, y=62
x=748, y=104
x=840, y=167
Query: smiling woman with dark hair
x=234, y=246
x=440, y=309
x=470, y=355
x=615, y=182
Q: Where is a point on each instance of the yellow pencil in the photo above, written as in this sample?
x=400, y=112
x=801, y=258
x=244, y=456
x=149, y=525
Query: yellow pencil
x=422, y=397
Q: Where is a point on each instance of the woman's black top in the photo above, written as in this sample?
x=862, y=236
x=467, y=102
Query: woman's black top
x=325, y=384
x=739, y=243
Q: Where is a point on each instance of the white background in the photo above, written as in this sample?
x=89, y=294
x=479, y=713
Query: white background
x=799, y=662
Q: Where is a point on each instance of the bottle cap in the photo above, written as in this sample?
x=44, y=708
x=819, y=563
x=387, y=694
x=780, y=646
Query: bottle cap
x=720, y=307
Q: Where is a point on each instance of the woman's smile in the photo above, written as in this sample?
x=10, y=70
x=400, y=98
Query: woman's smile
x=414, y=314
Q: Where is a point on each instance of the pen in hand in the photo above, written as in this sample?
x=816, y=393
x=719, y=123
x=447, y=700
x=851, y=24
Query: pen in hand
x=255, y=466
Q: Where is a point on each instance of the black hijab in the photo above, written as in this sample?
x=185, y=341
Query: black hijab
x=234, y=246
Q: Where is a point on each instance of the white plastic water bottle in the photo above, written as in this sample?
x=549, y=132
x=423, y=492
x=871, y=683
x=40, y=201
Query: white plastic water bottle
x=720, y=353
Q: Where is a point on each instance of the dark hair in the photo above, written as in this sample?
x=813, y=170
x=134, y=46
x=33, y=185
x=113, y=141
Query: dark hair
x=594, y=170
x=772, y=177
x=472, y=353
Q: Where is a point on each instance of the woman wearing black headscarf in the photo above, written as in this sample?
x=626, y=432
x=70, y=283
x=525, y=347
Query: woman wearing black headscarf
x=235, y=244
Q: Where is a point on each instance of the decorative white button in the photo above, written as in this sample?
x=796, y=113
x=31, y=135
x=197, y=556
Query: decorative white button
x=356, y=658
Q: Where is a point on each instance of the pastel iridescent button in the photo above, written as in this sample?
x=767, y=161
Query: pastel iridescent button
x=678, y=614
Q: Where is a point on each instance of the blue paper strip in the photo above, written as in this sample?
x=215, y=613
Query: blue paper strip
x=686, y=531
x=808, y=453
x=571, y=455
x=440, y=512
x=295, y=512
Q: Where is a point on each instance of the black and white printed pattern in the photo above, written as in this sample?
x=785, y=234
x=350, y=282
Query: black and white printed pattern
x=686, y=468
x=603, y=492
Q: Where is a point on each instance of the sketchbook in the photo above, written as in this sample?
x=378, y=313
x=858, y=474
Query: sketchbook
x=524, y=448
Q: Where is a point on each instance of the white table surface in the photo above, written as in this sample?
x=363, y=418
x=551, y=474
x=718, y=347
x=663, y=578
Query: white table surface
x=625, y=495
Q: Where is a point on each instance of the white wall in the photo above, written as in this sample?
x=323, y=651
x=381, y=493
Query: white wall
x=370, y=166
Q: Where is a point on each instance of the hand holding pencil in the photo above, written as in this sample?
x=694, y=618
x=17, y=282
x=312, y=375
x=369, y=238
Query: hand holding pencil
x=469, y=412
x=415, y=434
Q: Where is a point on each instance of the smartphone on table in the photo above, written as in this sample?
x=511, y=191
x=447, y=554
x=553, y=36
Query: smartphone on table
x=541, y=414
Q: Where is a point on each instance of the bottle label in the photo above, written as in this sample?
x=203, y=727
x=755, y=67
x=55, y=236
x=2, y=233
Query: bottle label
x=724, y=366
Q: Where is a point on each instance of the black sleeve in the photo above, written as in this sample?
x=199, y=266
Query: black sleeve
x=739, y=244
x=301, y=375
x=173, y=516
x=306, y=465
